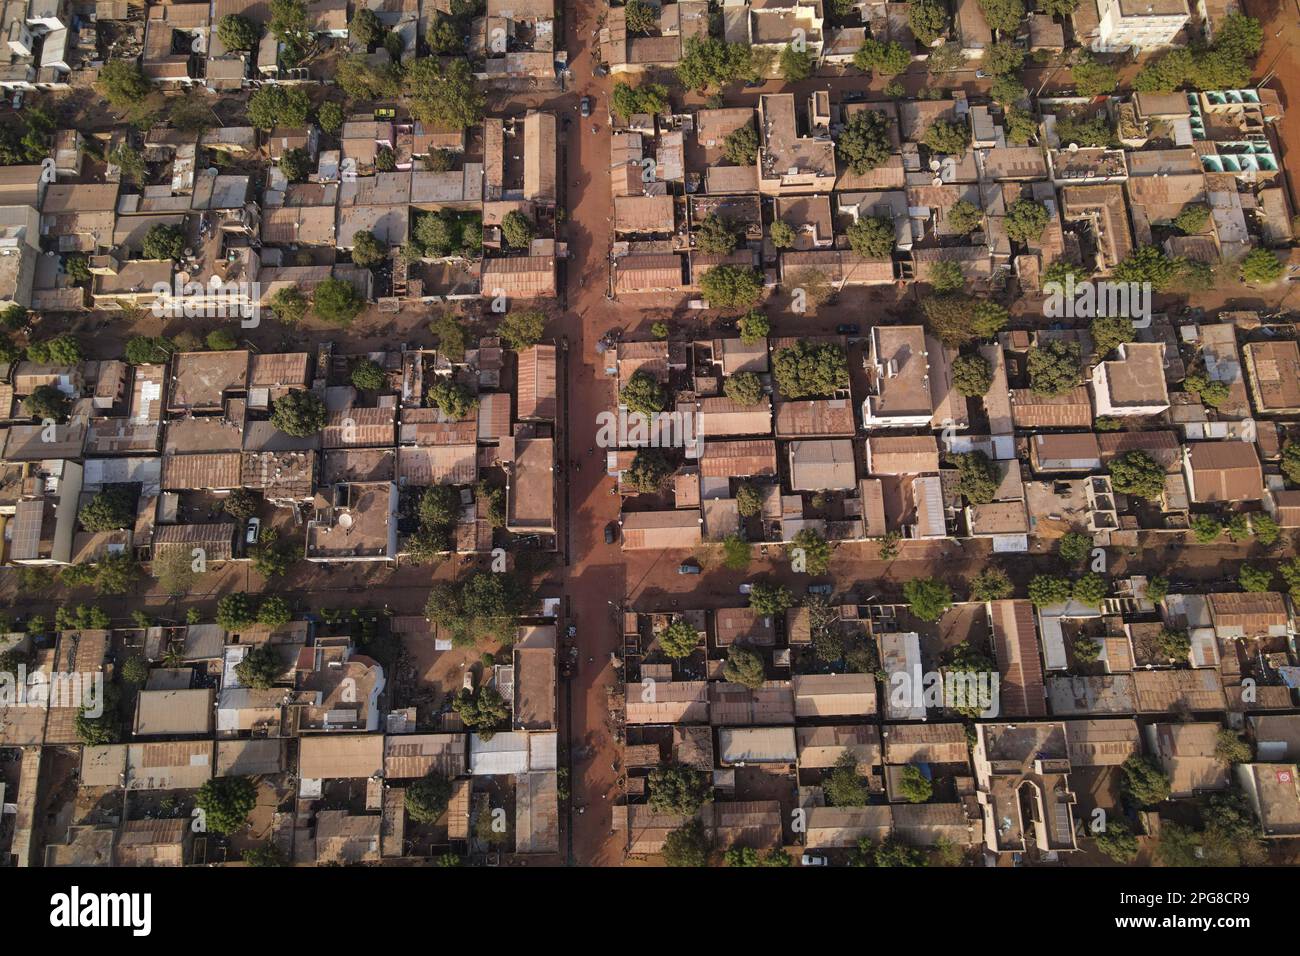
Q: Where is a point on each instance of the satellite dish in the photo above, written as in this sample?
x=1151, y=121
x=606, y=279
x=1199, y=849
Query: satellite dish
x=210, y=171
x=937, y=181
x=1073, y=147
x=935, y=165
x=345, y=521
x=182, y=277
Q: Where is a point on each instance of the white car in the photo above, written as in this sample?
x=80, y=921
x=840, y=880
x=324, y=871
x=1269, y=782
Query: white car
x=813, y=859
x=746, y=588
x=254, y=528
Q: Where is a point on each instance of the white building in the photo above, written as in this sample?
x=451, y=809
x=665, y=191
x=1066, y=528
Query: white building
x=1138, y=24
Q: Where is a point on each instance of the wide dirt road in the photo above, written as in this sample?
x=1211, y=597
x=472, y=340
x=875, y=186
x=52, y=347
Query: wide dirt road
x=595, y=575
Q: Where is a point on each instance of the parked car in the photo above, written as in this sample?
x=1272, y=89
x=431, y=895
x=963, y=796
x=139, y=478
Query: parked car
x=584, y=105
x=746, y=588
x=254, y=528
x=601, y=70
x=981, y=74
x=825, y=590
x=847, y=328
x=611, y=532
x=689, y=568
x=813, y=859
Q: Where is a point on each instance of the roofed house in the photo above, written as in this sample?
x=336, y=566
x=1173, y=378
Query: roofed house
x=1030, y=410
x=1223, y=472
x=1015, y=644
x=536, y=388
x=834, y=695
x=822, y=465
x=679, y=529
x=1274, y=368
x=1133, y=383
x=1187, y=752
x=1274, y=794
x=1249, y=614
x=667, y=702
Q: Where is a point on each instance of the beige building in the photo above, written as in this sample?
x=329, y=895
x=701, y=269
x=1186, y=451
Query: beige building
x=1138, y=24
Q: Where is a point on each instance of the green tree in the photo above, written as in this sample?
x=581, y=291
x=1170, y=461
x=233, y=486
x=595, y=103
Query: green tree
x=643, y=394
x=1091, y=589
x=237, y=33
x=220, y=340
x=444, y=96
x=110, y=509
x=964, y=217
x=1054, y=367
x=1148, y=264
x=260, y=668
x=713, y=236
x=337, y=302
x=330, y=117
x=1193, y=219
x=426, y=799
x=872, y=236
x=707, y=62
x=676, y=789
x=744, y=666
x=1206, y=528
x=1143, y=781
x=1074, y=547
x=367, y=375
x=687, y=846
x=1003, y=58
x=679, y=639
x=864, y=143
x=274, y=611
x=289, y=305
x=844, y=786
x=234, y=611
x=1048, y=589
x=782, y=235
x=928, y=598
x=47, y=403
x=516, y=229
x=1026, y=220
x=1117, y=841
x=452, y=399
x=1137, y=473
x=1255, y=579
x=796, y=64
x=813, y=549
x=1021, y=127
x=299, y=413
x=736, y=554
x=731, y=287
x=1003, y=15
x=977, y=477
x=366, y=30
x=367, y=251
x=1261, y=267
x=277, y=105
x=991, y=584
x=804, y=370
x=770, y=600
x=754, y=327
x=1109, y=332
x=748, y=501
x=740, y=147
x=648, y=471
x=914, y=786
x=888, y=57
x=226, y=803
x=743, y=388
x=163, y=242
x=482, y=710
x=63, y=349
x=947, y=138
x=928, y=20
x=946, y=276
x=972, y=375
x=1265, y=529
x=1092, y=78
x=627, y=100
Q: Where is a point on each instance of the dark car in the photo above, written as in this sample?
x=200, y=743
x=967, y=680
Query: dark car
x=847, y=328
x=611, y=532
x=601, y=70
x=825, y=590
x=584, y=106
x=689, y=568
